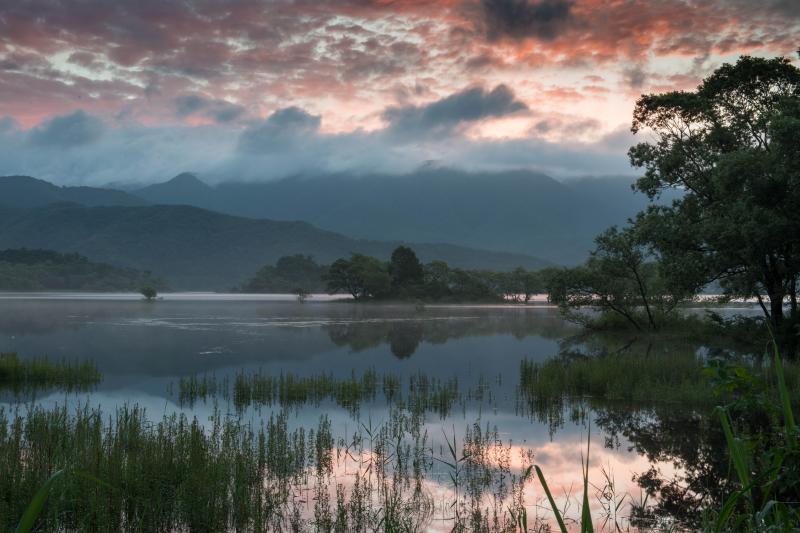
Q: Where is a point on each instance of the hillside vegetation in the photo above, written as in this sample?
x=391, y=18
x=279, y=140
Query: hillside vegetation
x=34, y=270
x=199, y=249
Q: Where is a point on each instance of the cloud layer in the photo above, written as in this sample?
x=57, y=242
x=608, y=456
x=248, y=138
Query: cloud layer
x=126, y=89
x=291, y=141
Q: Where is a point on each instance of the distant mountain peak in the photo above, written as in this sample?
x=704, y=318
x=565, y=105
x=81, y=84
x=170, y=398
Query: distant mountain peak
x=187, y=179
x=185, y=188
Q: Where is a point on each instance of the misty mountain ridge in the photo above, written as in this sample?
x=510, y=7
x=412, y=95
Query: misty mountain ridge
x=522, y=212
x=193, y=248
x=185, y=188
x=518, y=211
x=25, y=191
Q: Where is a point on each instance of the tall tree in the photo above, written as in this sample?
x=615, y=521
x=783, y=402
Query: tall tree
x=733, y=148
x=405, y=269
x=361, y=276
x=621, y=276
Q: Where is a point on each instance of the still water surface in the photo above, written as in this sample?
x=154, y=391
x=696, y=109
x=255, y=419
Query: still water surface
x=143, y=349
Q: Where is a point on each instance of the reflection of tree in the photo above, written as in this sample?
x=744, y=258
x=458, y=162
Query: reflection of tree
x=602, y=342
x=693, y=443
x=404, y=333
x=686, y=449
x=357, y=336
x=404, y=337
x=689, y=440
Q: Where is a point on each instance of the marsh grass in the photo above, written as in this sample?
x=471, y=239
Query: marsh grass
x=176, y=474
x=256, y=472
x=680, y=378
x=26, y=375
x=418, y=393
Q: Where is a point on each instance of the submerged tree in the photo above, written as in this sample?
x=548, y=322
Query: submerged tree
x=149, y=293
x=733, y=148
x=361, y=276
x=621, y=277
x=289, y=273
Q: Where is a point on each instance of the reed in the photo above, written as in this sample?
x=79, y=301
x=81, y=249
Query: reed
x=418, y=393
x=682, y=378
x=23, y=375
x=177, y=474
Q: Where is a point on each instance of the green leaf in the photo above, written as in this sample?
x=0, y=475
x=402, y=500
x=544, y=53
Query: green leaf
x=37, y=503
x=737, y=452
x=556, y=512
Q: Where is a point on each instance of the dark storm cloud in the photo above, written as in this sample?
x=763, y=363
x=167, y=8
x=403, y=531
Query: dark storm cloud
x=226, y=113
x=289, y=142
x=444, y=116
x=521, y=19
x=188, y=104
x=279, y=130
x=66, y=131
x=635, y=76
x=217, y=110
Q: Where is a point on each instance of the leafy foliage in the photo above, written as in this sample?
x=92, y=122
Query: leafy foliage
x=201, y=250
x=733, y=147
x=290, y=274
x=149, y=293
x=762, y=439
x=621, y=277
x=405, y=277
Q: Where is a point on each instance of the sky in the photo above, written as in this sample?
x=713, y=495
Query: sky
x=136, y=91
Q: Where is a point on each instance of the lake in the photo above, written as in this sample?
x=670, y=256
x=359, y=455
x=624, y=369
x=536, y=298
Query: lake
x=146, y=350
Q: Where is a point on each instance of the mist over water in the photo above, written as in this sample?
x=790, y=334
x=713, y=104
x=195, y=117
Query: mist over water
x=144, y=350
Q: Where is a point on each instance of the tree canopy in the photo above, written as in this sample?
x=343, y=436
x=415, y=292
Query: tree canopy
x=733, y=148
x=289, y=274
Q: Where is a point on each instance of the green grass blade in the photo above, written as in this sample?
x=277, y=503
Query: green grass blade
x=556, y=512
x=586, y=513
x=89, y=477
x=727, y=511
x=738, y=455
x=37, y=503
x=786, y=403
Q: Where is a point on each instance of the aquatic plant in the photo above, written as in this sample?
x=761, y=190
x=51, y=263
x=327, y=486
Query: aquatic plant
x=23, y=375
x=178, y=474
x=677, y=377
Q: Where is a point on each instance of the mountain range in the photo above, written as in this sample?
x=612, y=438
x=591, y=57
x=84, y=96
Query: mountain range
x=198, y=235
x=195, y=248
x=520, y=211
x=24, y=191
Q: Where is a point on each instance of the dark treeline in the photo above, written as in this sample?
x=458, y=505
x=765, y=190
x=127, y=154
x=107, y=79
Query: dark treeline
x=24, y=269
x=290, y=274
x=403, y=277
x=732, y=149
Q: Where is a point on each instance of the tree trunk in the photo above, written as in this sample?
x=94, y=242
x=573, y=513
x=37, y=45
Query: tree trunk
x=643, y=295
x=782, y=328
x=776, y=309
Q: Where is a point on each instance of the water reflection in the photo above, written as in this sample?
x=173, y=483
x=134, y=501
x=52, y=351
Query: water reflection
x=670, y=452
x=181, y=337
